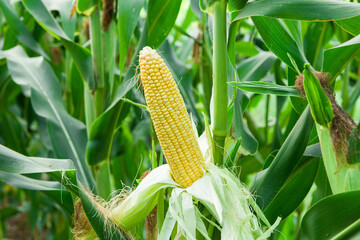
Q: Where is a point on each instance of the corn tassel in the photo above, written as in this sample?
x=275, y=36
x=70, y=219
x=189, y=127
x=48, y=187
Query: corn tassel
x=170, y=118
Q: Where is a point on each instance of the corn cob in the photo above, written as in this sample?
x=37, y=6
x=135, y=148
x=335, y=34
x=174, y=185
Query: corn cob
x=170, y=118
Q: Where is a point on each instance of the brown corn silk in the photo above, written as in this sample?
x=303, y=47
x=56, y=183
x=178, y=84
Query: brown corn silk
x=151, y=219
x=107, y=15
x=170, y=118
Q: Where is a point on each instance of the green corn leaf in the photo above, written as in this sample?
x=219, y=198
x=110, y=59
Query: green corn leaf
x=241, y=130
x=246, y=48
x=294, y=28
x=161, y=18
x=236, y=5
x=320, y=104
x=21, y=32
x=100, y=137
x=86, y=6
x=336, y=58
x=80, y=55
x=334, y=217
x=207, y=5
x=351, y=25
x=286, y=47
x=301, y=9
x=255, y=68
x=318, y=34
x=267, y=88
x=67, y=134
x=13, y=162
x=128, y=14
x=286, y=160
x=293, y=192
x=67, y=22
x=279, y=41
x=62, y=171
x=299, y=104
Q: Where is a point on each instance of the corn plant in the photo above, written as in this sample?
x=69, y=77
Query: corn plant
x=159, y=119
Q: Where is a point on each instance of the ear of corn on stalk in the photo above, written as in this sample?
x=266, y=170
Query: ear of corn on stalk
x=231, y=205
x=171, y=120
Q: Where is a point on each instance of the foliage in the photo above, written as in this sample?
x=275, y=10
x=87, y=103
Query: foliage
x=74, y=125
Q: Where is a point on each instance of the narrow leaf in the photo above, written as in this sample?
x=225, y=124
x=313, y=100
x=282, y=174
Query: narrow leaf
x=127, y=14
x=236, y=5
x=81, y=56
x=267, y=88
x=336, y=58
x=351, y=25
x=322, y=10
x=279, y=41
x=68, y=135
x=19, y=28
x=86, y=6
x=241, y=130
x=255, y=68
x=333, y=215
x=161, y=18
x=101, y=136
x=292, y=193
x=285, y=161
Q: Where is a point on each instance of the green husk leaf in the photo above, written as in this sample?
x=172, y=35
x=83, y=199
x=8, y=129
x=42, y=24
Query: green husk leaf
x=320, y=104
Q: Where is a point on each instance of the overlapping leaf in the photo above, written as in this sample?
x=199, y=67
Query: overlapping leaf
x=81, y=56
x=128, y=14
x=19, y=28
x=161, y=18
x=334, y=217
x=285, y=161
x=68, y=135
x=301, y=9
x=336, y=58
x=267, y=88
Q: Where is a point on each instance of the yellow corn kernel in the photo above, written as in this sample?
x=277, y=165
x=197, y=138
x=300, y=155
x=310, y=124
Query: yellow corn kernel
x=171, y=120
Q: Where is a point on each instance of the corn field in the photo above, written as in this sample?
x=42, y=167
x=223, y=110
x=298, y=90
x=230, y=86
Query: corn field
x=180, y=119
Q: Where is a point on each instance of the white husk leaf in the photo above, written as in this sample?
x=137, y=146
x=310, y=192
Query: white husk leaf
x=143, y=199
x=228, y=201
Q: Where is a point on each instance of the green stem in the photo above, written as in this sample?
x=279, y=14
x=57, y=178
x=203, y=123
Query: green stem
x=330, y=162
x=219, y=86
x=100, y=94
x=98, y=61
x=103, y=180
x=89, y=107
